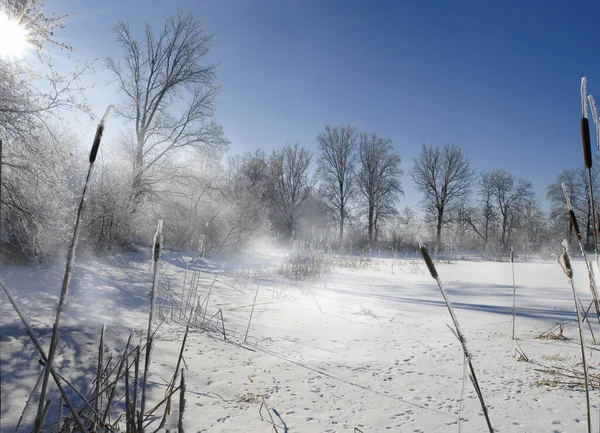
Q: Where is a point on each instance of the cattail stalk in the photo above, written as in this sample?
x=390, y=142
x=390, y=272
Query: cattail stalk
x=97, y=399
x=158, y=240
x=59, y=422
x=459, y=334
x=111, y=395
x=568, y=269
x=223, y=324
x=171, y=385
x=136, y=375
x=46, y=407
x=587, y=159
x=206, y=300
x=253, y=304
x=592, y=280
x=181, y=403
x=187, y=263
x=67, y=276
x=33, y=391
x=514, y=310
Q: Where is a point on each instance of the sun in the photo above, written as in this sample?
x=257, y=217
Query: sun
x=13, y=38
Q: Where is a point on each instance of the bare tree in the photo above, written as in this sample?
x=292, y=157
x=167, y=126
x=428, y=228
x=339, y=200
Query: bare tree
x=288, y=169
x=510, y=195
x=337, y=155
x=533, y=220
x=170, y=94
x=444, y=177
x=482, y=217
x=378, y=179
x=404, y=228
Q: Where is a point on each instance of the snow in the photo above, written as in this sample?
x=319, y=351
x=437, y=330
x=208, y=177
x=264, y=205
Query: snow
x=366, y=348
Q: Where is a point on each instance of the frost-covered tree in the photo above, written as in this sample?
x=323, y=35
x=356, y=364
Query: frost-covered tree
x=33, y=94
x=378, y=180
x=444, y=177
x=169, y=92
x=39, y=194
x=31, y=88
x=240, y=215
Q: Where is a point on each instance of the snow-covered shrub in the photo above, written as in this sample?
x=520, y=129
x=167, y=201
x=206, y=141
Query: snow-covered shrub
x=305, y=265
x=113, y=218
x=42, y=177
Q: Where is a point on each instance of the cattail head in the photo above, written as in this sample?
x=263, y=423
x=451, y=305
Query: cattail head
x=566, y=262
x=158, y=238
x=98, y=135
x=511, y=256
x=585, y=142
x=574, y=224
x=428, y=262
x=96, y=144
x=585, y=126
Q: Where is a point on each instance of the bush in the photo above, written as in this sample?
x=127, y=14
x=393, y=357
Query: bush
x=302, y=265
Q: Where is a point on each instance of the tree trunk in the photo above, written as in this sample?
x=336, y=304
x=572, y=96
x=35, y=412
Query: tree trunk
x=137, y=170
x=342, y=232
x=371, y=223
x=588, y=232
x=438, y=240
x=504, y=225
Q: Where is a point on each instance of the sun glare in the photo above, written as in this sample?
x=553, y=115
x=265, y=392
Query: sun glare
x=13, y=38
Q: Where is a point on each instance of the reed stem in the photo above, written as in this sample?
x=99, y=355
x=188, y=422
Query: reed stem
x=459, y=334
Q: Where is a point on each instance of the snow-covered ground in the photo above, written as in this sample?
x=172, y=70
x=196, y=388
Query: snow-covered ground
x=366, y=348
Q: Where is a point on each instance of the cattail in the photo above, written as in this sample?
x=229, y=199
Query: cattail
x=585, y=142
x=566, y=265
x=158, y=238
x=566, y=262
x=96, y=144
x=459, y=334
x=98, y=136
x=574, y=224
x=585, y=127
x=428, y=262
x=39, y=419
x=592, y=281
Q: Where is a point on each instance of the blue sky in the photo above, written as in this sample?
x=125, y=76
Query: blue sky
x=499, y=79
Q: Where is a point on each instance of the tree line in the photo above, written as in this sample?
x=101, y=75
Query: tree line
x=171, y=161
